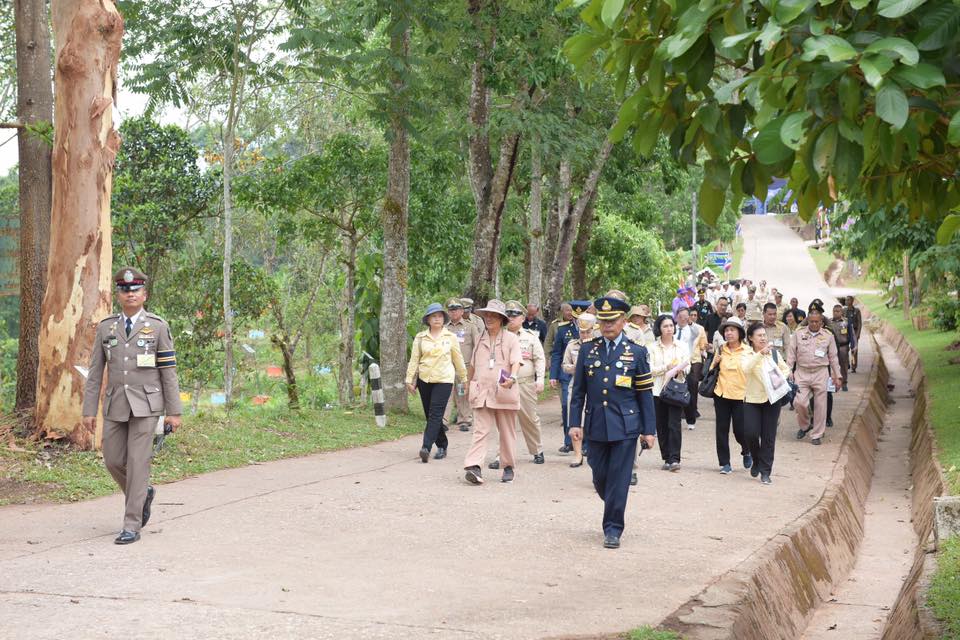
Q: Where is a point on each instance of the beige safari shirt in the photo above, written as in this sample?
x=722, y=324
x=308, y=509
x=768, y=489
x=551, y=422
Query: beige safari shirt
x=141, y=370
x=490, y=357
x=466, y=333
x=641, y=336
x=779, y=338
x=533, y=363
x=813, y=351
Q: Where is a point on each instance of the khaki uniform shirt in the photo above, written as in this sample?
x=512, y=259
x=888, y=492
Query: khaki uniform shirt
x=755, y=309
x=466, y=334
x=811, y=352
x=477, y=322
x=779, y=337
x=141, y=370
x=643, y=337
x=533, y=365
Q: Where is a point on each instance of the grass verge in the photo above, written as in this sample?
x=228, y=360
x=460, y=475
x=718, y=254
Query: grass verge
x=943, y=597
x=821, y=258
x=944, y=593
x=209, y=441
x=649, y=633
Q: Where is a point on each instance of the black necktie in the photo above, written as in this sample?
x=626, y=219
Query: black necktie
x=609, y=348
x=129, y=326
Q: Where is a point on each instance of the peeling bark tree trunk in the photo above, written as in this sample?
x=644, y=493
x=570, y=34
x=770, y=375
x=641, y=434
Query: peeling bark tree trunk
x=34, y=105
x=578, y=266
x=282, y=342
x=549, y=250
x=348, y=332
x=535, y=226
x=88, y=35
x=393, y=315
x=568, y=227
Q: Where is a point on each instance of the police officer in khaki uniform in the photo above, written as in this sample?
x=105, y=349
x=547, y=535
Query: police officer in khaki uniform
x=136, y=348
x=531, y=378
x=754, y=306
x=469, y=316
x=778, y=333
x=466, y=333
x=811, y=357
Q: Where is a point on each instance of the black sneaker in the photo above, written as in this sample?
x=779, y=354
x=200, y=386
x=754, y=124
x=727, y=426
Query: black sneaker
x=565, y=449
x=507, y=475
x=765, y=479
x=424, y=454
x=538, y=458
x=473, y=475
x=747, y=461
x=440, y=454
x=495, y=464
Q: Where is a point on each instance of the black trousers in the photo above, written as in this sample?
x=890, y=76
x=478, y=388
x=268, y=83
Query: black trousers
x=669, y=434
x=729, y=410
x=434, y=397
x=612, y=465
x=693, y=383
x=760, y=429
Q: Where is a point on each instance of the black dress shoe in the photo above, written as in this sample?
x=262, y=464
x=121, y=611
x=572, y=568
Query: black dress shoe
x=611, y=542
x=424, y=454
x=830, y=422
x=440, y=454
x=577, y=464
x=802, y=433
x=538, y=458
x=127, y=537
x=565, y=449
x=146, y=506
x=633, y=479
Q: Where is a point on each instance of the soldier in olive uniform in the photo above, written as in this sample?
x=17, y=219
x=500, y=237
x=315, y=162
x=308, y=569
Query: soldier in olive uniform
x=855, y=318
x=531, y=380
x=611, y=405
x=136, y=348
x=467, y=334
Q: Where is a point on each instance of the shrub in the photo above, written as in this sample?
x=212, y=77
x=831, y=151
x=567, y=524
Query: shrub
x=945, y=313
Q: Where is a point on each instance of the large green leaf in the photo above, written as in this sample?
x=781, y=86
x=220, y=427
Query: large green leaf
x=875, y=68
x=792, y=132
x=580, y=47
x=825, y=151
x=948, y=228
x=939, y=27
x=628, y=114
x=787, y=11
x=734, y=40
x=835, y=48
x=953, y=131
x=725, y=94
x=904, y=48
x=892, y=105
x=922, y=76
x=611, y=11
x=850, y=97
x=768, y=146
x=848, y=163
x=897, y=8
x=710, y=203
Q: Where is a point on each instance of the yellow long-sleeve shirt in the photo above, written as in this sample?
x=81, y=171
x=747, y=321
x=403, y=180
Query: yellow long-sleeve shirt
x=436, y=359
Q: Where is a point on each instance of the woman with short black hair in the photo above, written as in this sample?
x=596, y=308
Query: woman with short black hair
x=760, y=416
x=728, y=395
x=668, y=359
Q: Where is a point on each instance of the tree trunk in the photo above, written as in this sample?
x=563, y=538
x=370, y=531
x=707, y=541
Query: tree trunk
x=549, y=250
x=393, y=316
x=535, y=225
x=348, y=332
x=569, y=226
x=282, y=342
x=228, y=156
x=88, y=35
x=581, y=247
x=34, y=105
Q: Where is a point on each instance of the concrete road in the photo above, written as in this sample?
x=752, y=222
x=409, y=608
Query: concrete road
x=370, y=543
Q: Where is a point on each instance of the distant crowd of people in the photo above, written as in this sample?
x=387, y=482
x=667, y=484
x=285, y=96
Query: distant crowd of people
x=625, y=376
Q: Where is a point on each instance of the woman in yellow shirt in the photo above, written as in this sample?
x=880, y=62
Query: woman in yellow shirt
x=760, y=417
x=729, y=393
x=435, y=361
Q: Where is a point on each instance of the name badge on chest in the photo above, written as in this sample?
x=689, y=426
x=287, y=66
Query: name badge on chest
x=146, y=360
x=820, y=353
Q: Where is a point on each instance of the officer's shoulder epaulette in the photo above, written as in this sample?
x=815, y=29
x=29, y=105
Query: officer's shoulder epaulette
x=153, y=316
x=113, y=316
x=598, y=340
x=634, y=325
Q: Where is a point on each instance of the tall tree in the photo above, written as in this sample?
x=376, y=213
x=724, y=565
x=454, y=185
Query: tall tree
x=34, y=109
x=87, y=35
x=395, y=220
x=535, y=224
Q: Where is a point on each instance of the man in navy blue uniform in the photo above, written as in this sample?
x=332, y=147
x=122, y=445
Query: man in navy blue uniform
x=613, y=392
x=566, y=332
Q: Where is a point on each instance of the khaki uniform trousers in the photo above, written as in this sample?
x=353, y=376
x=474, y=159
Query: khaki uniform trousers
x=485, y=420
x=812, y=382
x=126, y=453
x=464, y=412
x=843, y=355
x=529, y=417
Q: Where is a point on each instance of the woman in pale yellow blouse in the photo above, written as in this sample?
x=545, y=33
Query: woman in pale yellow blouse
x=435, y=363
x=760, y=417
x=729, y=393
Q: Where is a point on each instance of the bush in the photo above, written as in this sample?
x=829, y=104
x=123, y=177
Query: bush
x=945, y=313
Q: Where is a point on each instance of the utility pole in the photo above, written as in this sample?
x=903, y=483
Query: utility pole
x=693, y=246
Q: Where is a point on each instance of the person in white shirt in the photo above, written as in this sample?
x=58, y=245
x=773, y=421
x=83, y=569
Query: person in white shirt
x=669, y=359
